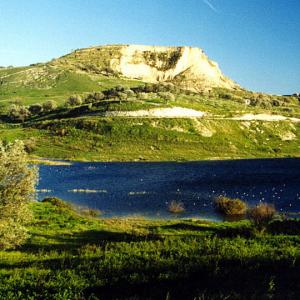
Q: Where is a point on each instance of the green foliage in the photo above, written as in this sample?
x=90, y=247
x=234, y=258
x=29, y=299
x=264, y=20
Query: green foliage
x=49, y=105
x=74, y=100
x=17, y=187
x=73, y=257
x=35, y=108
x=231, y=207
x=18, y=113
x=94, y=97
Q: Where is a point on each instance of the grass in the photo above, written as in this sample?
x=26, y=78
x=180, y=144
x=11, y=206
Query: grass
x=59, y=134
x=134, y=139
x=73, y=257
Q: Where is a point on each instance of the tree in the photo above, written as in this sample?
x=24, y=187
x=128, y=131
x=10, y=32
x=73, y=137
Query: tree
x=18, y=113
x=74, y=100
x=17, y=187
x=35, y=108
x=49, y=105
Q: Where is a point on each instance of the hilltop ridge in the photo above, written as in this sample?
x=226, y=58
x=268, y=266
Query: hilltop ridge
x=188, y=67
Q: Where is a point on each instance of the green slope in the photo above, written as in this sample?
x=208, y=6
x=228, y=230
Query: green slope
x=82, y=133
x=73, y=257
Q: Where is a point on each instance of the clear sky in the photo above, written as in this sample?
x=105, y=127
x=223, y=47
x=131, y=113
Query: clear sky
x=255, y=42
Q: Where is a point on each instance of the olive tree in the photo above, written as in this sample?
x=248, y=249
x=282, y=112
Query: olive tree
x=74, y=100
x=17, y=187
x=49, y=105
x=35, y=108
x=18, y=113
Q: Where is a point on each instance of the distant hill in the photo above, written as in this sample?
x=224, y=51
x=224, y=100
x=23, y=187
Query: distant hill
x=188, y=67
x=142, y=103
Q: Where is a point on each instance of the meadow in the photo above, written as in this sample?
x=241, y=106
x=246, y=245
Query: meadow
x=71, y=255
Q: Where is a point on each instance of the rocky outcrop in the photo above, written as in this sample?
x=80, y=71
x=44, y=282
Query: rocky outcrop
x=188, y=67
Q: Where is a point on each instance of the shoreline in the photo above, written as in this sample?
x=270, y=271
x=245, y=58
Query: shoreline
x=62, y=162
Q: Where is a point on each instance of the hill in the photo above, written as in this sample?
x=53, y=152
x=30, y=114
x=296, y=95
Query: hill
x=188, y=67
x=143, y=103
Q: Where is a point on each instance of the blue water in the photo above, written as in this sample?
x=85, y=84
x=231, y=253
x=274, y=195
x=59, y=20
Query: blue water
x=146, y=188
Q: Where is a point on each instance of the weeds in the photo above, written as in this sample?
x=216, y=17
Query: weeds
x=230, y=207
x=176, y=207
x=261, y=215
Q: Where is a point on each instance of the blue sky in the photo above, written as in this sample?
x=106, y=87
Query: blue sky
x=255, y=42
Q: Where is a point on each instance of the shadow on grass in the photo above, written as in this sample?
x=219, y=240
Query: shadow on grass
x=222, y=232
x=74, y=241
x=288, y=227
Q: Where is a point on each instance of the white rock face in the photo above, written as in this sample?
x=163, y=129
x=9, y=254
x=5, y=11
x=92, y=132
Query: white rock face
x=187, y=67
x=265, y=117
x=172, y=112
x=187, y=62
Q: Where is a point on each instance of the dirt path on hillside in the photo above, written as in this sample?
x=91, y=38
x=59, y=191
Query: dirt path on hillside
x=180, y=112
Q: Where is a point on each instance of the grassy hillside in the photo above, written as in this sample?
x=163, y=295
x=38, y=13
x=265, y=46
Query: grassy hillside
x=73, y=257
x=125, y=139
x=43, y=82
x=60, y=133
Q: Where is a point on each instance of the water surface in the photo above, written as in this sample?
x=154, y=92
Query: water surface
x=121, y=189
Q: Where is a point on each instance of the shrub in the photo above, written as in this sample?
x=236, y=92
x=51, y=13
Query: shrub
x=30, y=145
x=49, y=105
x=230, y=207
x=74, y=100
x=18, y=113
x=17, y=187
x=276, y=102
x=143, y=96
x=94, y=97
x=120, y=88
x=57, y=202
x=35, y=108
x=129, y=93
x=122, y=96
x=166, y=96
x=176, y=207
x=261, y=215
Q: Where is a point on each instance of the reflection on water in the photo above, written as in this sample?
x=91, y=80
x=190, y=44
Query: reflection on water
x=120, y=189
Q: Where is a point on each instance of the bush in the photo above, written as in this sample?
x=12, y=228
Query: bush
x=122, y=96
x=35, y=108
x=57, y=202
x=261, y=215
x=129, y=93
x=176, y=207
x=110, y=93
x=120, y=88
x=49, y=105
x=143, y=96
x=74, y=100
x=230, y=207
x=30, y=145
x=94, y=97
x=18, y=113
x=17, y=187
x=167, y=96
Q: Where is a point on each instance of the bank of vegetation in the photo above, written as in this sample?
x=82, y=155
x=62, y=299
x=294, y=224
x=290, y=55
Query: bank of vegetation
x=54, y=250
x=70, y=256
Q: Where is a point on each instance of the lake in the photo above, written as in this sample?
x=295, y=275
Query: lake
x=146, y=189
